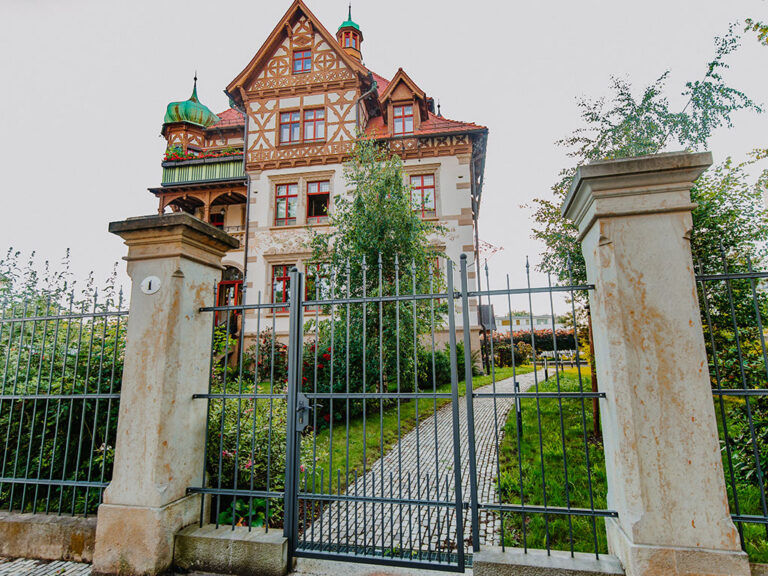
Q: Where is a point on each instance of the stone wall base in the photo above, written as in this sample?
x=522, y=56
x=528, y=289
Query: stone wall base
x=644, y=560
x=44, y=537
x=227, y=551
x=135, y=541
x=492, y=561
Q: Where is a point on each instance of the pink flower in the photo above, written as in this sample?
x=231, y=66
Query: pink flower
x=249, y=464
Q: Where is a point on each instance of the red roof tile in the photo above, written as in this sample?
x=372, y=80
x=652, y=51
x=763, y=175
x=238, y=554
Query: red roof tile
x=228, y=119
x=382, y=82
x=433, y=125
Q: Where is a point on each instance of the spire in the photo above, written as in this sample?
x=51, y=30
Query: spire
x=194, y=90
x=439, y=113
x=350, y=12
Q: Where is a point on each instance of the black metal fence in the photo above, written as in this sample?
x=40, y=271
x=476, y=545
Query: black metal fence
x=336, y=415
x=60, y=375
x=734, y=304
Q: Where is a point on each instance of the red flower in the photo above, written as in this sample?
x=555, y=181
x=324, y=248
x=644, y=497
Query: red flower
x=327, y=417
x=326, y=356
x=320, y=366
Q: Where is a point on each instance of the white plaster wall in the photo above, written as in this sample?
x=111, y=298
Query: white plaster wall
x=271, y=245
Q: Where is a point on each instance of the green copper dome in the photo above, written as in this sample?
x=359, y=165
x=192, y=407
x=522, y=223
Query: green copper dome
x=349, y=23
x=191, y=111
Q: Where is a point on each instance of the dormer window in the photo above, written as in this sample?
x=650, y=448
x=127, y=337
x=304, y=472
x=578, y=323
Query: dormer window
x=302, y=61
x=403, y=119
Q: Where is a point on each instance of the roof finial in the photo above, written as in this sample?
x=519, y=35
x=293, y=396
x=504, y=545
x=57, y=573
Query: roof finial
x=439, y=113
x=194, y=89
x=350, y=11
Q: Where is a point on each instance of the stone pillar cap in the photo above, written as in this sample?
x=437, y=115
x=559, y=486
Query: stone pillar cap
x=166, y=222
x=642, y=184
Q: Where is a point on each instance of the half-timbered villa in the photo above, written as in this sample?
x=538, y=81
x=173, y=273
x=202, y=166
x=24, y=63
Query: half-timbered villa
x=267, y=169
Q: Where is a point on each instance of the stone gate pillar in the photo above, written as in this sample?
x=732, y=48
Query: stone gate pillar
x=174, y=261
x=665, y=475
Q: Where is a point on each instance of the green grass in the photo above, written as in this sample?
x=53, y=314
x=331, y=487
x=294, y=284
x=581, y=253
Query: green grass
x=533, y=531
x=750, y=503
x=371, y=443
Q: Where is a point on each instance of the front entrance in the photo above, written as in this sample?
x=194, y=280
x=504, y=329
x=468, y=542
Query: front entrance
x=352, y=422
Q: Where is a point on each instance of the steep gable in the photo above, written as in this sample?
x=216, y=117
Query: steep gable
x=271, y=67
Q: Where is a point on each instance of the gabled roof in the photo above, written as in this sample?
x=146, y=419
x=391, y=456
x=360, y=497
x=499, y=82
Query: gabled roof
x=230, y=118
x=401, y=76
x=277, y=36
x=377, y=127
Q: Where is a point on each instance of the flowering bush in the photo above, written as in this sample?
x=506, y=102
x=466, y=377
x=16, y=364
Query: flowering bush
x=176, y=154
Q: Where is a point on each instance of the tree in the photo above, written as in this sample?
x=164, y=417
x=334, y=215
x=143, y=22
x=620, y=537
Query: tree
x=626, y=126
x=377, y=246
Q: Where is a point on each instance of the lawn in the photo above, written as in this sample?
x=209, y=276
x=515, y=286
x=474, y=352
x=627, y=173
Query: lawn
x=554, y=531
x=755, y=536
x=336, y=458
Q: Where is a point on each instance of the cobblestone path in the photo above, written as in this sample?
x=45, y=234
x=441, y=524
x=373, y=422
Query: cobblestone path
x=26, y=567
x=423, y=461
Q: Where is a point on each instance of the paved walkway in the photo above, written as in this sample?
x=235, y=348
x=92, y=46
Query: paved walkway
x=25, y=567
x=424, y=462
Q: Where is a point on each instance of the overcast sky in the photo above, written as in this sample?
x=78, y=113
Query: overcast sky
x=84, y=86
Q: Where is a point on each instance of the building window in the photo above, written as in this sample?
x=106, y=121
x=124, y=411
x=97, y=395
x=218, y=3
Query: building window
x=286, y=201
x=423, y=194
x=318, y=282
x=290, y=127
x=350, y=40
x=314, y=125
x=217, y=220
x=403, y=117
x=281, y=284
x=302, y=61
x=318, y=199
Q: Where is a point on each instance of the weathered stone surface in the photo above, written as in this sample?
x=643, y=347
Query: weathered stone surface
x=516, y=562
x=47, y=537
x=663, y=462
x=228, y=551
x=161, y=428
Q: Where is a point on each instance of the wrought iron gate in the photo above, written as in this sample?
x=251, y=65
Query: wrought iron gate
x=344, y=426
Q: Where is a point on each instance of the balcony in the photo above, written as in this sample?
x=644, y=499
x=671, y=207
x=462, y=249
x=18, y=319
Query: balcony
x=236, y=232
x=203, y=170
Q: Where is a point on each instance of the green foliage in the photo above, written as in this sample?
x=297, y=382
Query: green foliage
x=529, y=458
x=68, y=436
x=759, y=28
x=624, y=126
x=377, y=246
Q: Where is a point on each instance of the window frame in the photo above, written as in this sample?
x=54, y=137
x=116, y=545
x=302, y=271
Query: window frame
x=432, y=213
x=315, y=122
x=403, y=116
x=294, y=120
x=303, y=57
x=283, y=221
x=286, y=278
x=318, y=219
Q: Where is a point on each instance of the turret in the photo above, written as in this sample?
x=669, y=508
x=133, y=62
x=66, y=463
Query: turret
x=185, y=123
x=350, y=37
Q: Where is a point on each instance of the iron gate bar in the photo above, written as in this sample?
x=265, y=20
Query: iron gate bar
x=470, y=406
x=550, y=510
x=236, y=492
x=553, y=395
x=39, y=397
x=748, y=392
x=455, y=411
x=291, y=528
x=532, y=290
x=73, y=316
x=726, y=278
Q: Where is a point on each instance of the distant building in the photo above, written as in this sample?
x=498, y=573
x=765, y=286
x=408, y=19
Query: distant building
x=522, y=322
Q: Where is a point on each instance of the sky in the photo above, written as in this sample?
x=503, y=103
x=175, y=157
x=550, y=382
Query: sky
x=84, y=85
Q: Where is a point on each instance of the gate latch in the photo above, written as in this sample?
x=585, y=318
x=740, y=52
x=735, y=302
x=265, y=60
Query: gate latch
x=302, y=412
